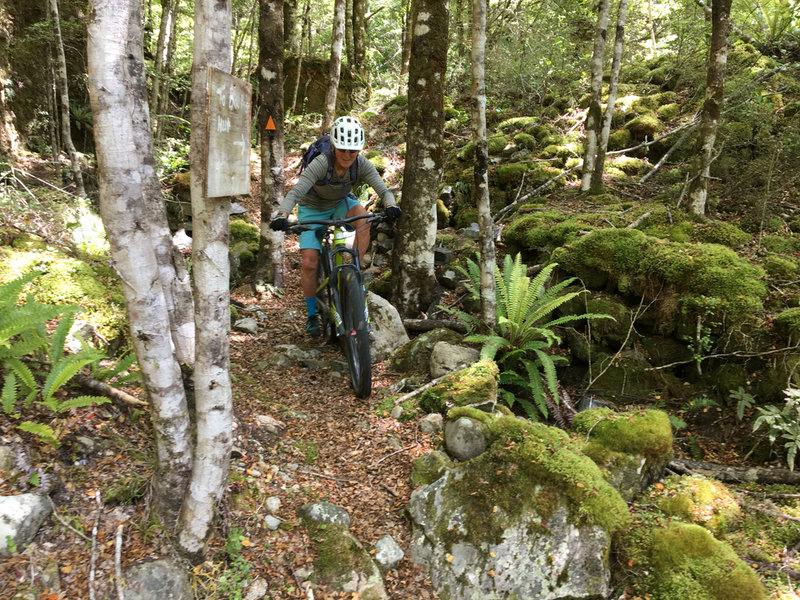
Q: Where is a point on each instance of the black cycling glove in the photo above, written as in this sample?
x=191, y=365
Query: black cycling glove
x=280, y=223
x=393, y=212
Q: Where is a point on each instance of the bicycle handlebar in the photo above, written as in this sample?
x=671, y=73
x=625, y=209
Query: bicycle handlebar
x=300, y=226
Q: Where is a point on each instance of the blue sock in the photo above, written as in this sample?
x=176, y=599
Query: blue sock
x=311, y=306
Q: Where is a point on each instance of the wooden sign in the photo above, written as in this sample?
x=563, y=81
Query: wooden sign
x=228, y=155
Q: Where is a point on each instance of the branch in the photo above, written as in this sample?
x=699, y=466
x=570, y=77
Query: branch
x=431, y=324
x=107, y=390
x=737, y=353
x=419, y=390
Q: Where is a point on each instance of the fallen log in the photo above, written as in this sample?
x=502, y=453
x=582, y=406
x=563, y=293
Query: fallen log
x=729, y=474
x=430, y=324
x=108, y=391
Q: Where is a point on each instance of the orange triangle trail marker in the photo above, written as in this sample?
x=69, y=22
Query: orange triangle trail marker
x=270, y=125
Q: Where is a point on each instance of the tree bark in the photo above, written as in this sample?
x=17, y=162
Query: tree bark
x=63, y=91
x=335, y=68
x=480, y=186
x=291, y=43
x=164, y=31
x=211, y=271
x=9, y=136
x=125, y=161
x=349, y=24
x=407, y=37
x=304, y=33
x=602, y=144
x=269, y=267
x=359, y=56
x=594, y=114
x=412, y=261
x=166, y=74
x=712, y=107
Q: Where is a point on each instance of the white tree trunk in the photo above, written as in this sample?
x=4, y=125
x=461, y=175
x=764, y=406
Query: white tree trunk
x=481, y=179
x=594, y=114
x=63, y=91
x=211, y=270
x=125, y=159
x=335, y=66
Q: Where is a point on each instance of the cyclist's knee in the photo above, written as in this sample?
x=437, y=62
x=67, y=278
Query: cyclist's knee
x=309, y=259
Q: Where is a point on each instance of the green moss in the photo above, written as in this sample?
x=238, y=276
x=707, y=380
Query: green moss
x=781, y=268
x=788, y=324
x=619, y=140
x=338, y=552
x=473, y=385
x=696, y=499
x=668, y=112
x=545, y=229
x=525, y=140
x=709, y=279
x=91, y=285
x=516, y=124
x=510, y=175
x=465, y=217
x=644, y=126
x=628, y=164
x=646, y=433
x=429, y=467
x=781, y=244
x=242, y=231
x=442, y=214
x=720, y=232
x=496, y=144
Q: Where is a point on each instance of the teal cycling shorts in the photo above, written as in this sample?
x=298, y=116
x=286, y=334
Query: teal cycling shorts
x=309, y=239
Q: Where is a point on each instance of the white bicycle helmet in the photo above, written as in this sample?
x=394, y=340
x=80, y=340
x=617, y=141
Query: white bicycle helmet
x=347, y=134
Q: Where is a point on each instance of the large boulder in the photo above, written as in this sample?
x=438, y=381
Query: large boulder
x=475, y=385
x=386, y=331
x=446, y=358
x=528, y=518
x=157, y=580
x=20, y=518
x=415, y=355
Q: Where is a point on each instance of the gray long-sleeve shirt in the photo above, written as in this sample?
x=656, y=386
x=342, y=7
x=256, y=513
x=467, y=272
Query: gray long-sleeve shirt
x=325, y=197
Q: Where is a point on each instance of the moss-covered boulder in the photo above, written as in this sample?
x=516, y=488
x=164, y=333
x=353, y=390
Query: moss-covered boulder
x=415, y=355
x=475, y=385
x=631, y=448
x=697, y=499
x=644, y=126
x=529, y=518
x=685, y=280
x=788, y=325
x=516, y=124
x=676, y=561
x=429, y=467
x=510, y=175
x=525, y=140
x=619, y=139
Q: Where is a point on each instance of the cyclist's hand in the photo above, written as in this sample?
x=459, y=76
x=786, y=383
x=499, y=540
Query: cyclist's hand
x=280, y=223
x=392, y=212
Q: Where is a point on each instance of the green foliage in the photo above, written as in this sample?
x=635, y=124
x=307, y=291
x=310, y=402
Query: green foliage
x=24, y=342
x=233, y=582
x=522, y=333
x=743, y=400
x=784, y=423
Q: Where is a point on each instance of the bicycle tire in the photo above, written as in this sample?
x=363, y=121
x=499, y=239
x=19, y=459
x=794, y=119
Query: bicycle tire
x=326, y=324
x=356, y=339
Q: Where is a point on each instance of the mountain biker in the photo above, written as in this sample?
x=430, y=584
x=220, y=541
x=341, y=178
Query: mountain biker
x=320, y=195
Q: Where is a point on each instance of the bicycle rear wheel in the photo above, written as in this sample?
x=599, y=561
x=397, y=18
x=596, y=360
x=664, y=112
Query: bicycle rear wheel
x=356, y=339
x=326, y=324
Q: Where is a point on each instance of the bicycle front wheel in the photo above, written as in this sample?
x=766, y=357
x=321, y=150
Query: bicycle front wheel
x=356, y=338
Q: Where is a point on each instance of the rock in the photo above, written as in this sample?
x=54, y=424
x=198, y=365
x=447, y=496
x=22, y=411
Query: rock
x=442, y=256
x=323, y=513
x=256, y=590
x=446, y=358
x=397, y=412
x=429, y=467
x=414, y=356
x=20, y=519
x=272, y=523
x=246, y=325
x=270, y=425
x=273, y=504
x=388, y=553
x=386, y=328
x=475, y=386
x=448, y=279
x=8, y=459
x=465, y=438
x=431, y=423
x=473, y=232
x=157, y=580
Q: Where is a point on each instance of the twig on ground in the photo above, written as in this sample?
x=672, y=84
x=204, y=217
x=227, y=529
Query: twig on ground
x=316, y=474
x=93, y=563
x=65, y=524
x=406, y=449
x=107, y=390
x=419, y=390
x=118, y=563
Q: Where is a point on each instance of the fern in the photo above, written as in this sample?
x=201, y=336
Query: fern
x=523, y=335
x=80, y=402
x=62, y=371
x=42, y=431
x=10, y=291
x=8, y=396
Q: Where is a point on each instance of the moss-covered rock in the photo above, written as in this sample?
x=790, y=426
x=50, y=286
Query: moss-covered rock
x=241, y=230
x=781, y=244
x=720, y=232
x=525, y=140
x=415, y=355
x=516, y=124
x=496, y=144
x=429, y=467
x=668, y=111
x=788, y=325
x=545, y=229
x=510, y=175
x=782, y=268
x=676, y=561
x=628, y=164
x=697, y=499
x=475, y=385
x=90, y=284
x=644, y=126
x=619, y=139
x=699, y=279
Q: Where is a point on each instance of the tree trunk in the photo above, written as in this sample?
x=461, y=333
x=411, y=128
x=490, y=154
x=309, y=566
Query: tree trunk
x=349, y=23
x=166, y=74
x=712, y=107
x=164, y=30
x=335, y=68
x=594, y=114
x=211, y=271
x=270, y=77
x=52, y=103
x=126, y=176
x=480, y=187
x=359, y=56
x=412, y=262
x=63, y=90
x=291, y=43
x=304, y=33
x=407, y=37
x=602, y=144
x=9, y=137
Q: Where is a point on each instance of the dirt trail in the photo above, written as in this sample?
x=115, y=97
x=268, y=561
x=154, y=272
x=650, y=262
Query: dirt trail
x=335, y=448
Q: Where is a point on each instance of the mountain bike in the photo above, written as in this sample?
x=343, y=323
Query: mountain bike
x=341, y=297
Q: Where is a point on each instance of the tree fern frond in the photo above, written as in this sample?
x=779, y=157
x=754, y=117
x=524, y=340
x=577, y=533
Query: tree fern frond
x=10, y=291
